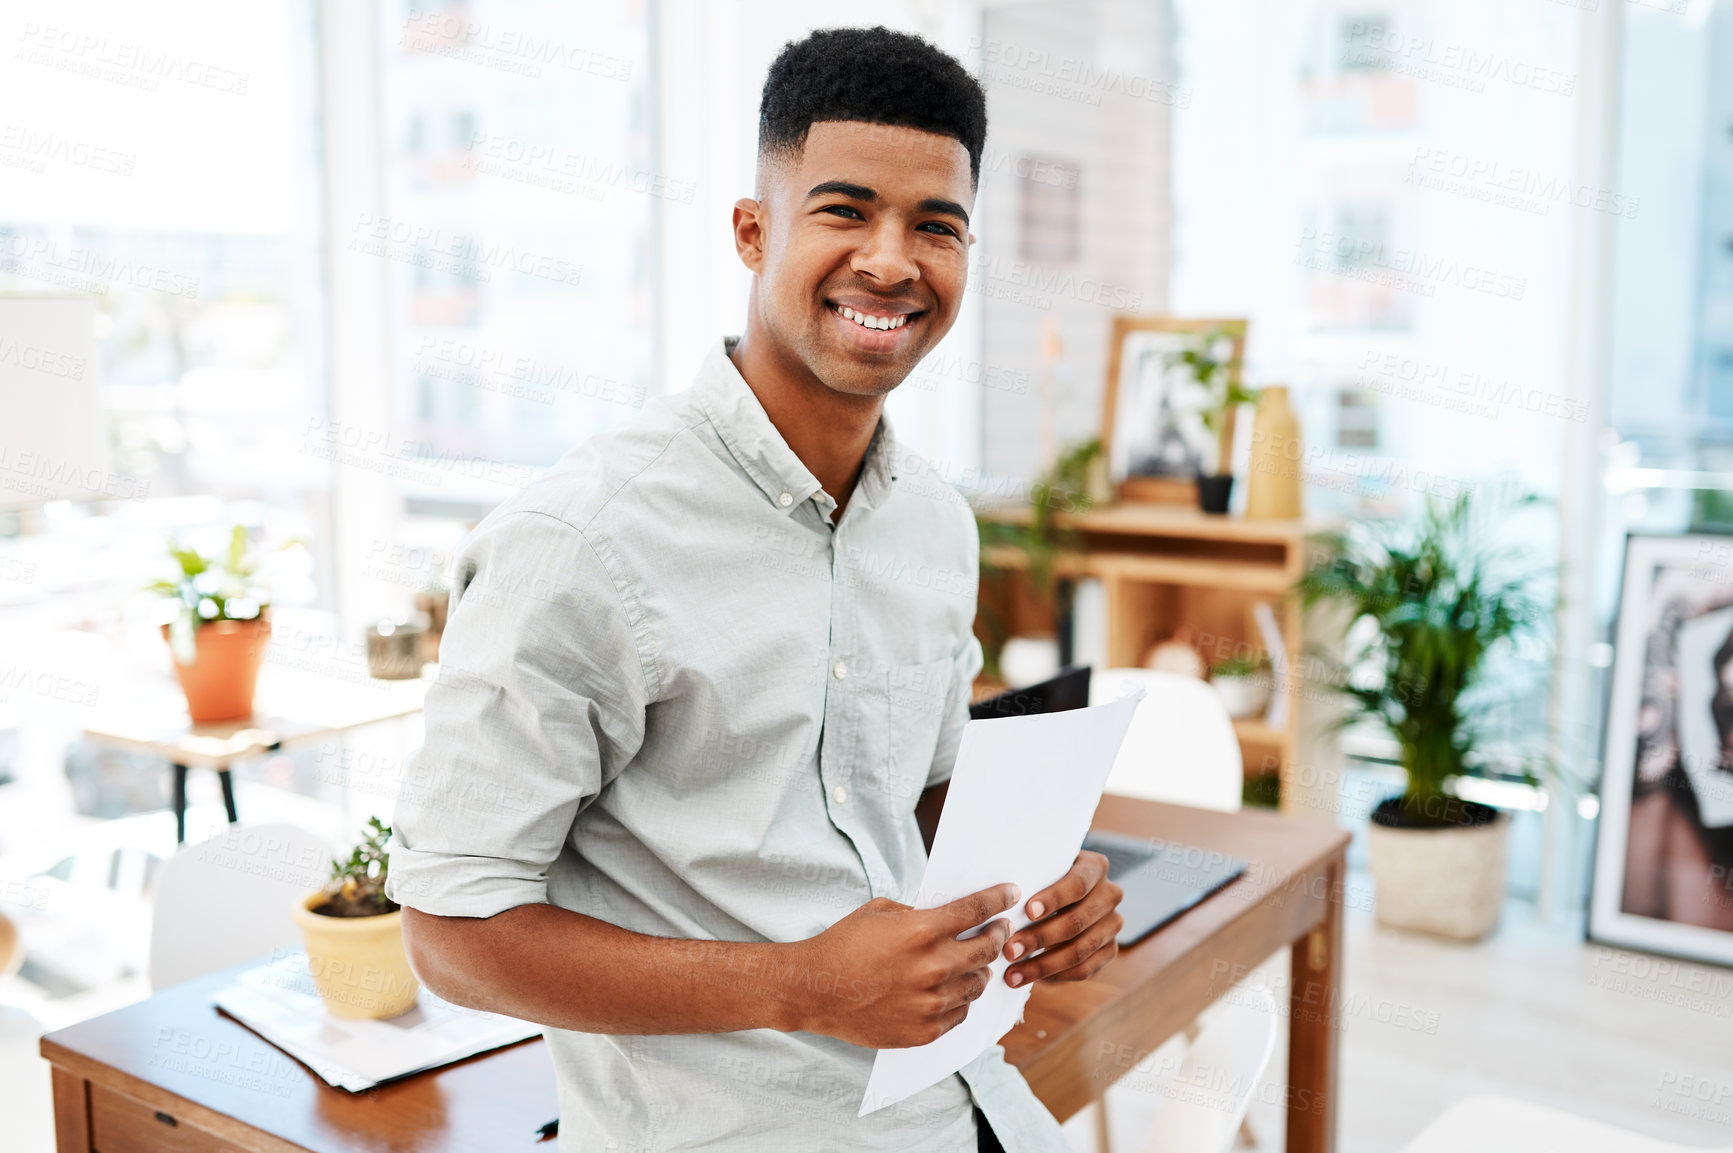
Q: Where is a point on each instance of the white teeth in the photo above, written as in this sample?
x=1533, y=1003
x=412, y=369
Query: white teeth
x=877, y=323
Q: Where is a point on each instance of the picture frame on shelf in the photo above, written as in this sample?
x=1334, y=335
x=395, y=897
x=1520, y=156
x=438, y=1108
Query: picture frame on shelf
x=1153, y=434
x=1663, y=866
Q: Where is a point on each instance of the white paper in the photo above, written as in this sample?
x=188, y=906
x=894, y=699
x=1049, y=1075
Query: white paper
x=1021, y=798
x=278, y=1001
x=1277, y=716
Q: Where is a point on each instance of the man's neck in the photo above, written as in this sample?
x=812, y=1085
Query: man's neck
x=828, y=430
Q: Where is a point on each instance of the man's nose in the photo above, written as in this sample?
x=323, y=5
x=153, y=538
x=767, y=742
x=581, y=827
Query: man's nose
x=886, y=255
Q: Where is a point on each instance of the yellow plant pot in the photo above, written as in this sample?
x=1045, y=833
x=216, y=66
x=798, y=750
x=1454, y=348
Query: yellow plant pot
x=358, y=963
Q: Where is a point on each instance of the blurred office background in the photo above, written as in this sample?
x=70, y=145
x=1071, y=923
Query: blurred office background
x=381, y=261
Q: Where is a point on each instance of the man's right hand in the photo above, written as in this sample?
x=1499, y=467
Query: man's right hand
x=898, y=977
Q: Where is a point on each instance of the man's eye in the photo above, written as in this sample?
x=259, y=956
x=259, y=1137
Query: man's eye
x=943, y=229
x=843, y=210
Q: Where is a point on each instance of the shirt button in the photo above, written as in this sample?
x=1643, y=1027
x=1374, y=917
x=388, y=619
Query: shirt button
x=785, y=499
x=840, y=669
x=839, y=795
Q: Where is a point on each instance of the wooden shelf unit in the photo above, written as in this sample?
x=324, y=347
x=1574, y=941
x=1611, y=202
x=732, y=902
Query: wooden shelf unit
x=1164, y=567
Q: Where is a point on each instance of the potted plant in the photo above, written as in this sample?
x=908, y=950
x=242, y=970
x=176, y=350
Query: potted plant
x=1217, y=372
x=354, y=935
x=1427, y=605
x=1244, y=685
x=1069, y=486
x=219, y=630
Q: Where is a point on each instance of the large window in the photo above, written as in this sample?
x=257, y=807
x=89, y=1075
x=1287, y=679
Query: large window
x=165, y=163
x=519, y=210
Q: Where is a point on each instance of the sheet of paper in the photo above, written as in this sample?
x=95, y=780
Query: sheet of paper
x=1021, y=798
x=1280, y=701
x=278, y=1002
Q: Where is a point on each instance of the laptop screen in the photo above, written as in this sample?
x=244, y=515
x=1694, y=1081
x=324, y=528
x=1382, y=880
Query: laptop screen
x=1068, y=690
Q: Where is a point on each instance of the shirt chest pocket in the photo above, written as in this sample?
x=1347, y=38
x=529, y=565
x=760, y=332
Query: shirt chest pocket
x=905, y=715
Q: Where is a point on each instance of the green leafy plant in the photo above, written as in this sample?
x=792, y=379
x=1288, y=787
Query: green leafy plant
x=1064, y=488
x=1219, y=377
x=211, y=588
x=357, y=885
x=1439, y=599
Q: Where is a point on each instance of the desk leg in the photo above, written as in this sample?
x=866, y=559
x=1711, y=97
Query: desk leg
x=180, y=803
x=224, y=776
x=71, y=1112
x=1313, y=1040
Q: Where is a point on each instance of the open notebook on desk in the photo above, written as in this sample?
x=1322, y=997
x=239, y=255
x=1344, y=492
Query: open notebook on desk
x=277, y=1001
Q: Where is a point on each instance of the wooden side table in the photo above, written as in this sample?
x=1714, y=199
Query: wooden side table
x=292, y=713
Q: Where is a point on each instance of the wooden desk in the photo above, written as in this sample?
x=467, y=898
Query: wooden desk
x=1075, y=1040
x=220, y=1087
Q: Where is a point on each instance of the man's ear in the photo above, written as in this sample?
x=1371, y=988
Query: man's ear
x=749, y=226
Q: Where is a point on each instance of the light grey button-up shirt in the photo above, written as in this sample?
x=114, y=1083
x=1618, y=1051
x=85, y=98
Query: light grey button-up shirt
x=674, y=697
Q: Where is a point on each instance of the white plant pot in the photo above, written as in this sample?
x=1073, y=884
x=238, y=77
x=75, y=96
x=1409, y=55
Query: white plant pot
x=1447, y=882
x=1243, y=696
x=1026, y=661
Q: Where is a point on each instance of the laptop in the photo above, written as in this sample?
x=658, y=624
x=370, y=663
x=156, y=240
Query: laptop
x=1161, y=879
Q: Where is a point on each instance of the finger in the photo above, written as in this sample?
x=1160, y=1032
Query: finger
x=951, y=1020
x=1087, y=871
x=967, y=912
x=965, y=988
x=1072, y=952
x=980, y=949
x=1067, y=923
x=1087, y=967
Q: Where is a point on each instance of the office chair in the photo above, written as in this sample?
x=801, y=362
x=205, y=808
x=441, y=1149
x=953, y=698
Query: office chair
x=1220, y=1071
x=1181, y=746
x=1488, y=1124
x=226, y=900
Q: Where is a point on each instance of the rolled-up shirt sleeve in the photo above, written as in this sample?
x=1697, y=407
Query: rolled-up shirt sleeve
x=539, y=703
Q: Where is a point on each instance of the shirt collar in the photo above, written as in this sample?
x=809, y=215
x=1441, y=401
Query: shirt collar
x=745, y=429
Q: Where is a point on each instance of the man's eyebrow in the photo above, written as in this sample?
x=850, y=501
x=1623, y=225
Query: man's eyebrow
x=948, y=207
x=842, y=188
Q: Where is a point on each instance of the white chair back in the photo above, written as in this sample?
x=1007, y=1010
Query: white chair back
x=1181, y=746
x=1219, y=1074
x=227, y=899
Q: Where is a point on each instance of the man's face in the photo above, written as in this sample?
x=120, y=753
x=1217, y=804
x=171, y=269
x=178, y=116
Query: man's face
x=861, y=248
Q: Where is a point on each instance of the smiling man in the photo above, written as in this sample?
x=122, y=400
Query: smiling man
x=702, y=686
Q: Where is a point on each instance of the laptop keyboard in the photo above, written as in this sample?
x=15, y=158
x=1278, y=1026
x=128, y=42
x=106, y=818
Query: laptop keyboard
x=1121, y=859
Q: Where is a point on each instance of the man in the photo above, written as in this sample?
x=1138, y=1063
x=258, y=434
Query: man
x=697, y=680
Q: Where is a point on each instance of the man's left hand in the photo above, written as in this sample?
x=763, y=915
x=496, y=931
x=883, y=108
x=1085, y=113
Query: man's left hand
x=1076, y=920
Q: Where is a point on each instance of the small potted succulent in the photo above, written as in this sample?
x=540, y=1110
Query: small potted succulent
x=354, y=935
x=1428, y=604
x=1211, y=359
x=219, y=630
x=1243, y=684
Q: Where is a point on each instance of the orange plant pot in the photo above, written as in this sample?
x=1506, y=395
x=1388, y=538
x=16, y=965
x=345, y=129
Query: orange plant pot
x=219, y=683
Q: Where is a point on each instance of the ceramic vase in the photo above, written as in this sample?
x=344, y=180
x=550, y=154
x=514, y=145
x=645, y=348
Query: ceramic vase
x=1274, y=478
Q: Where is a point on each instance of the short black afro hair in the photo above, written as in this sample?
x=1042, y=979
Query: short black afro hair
x=873, y=75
